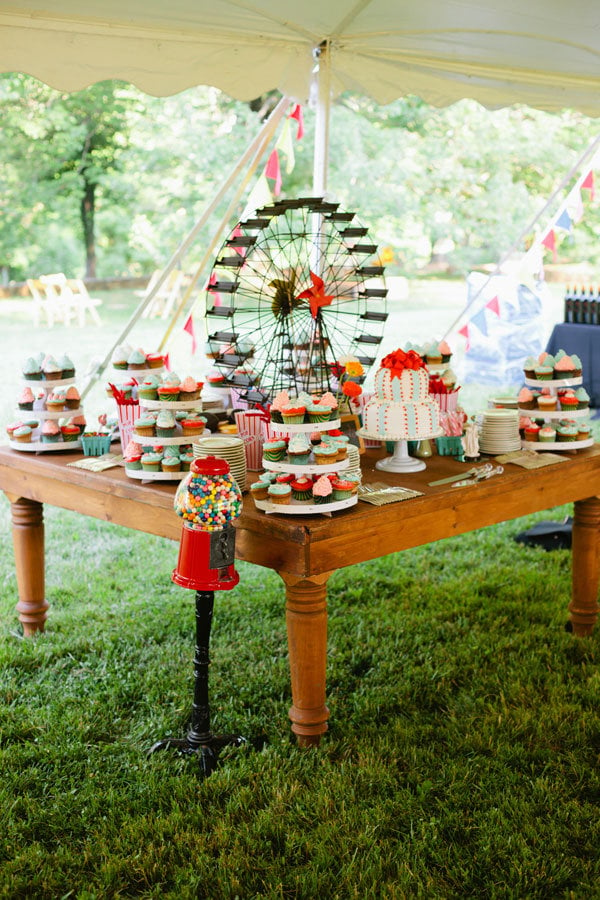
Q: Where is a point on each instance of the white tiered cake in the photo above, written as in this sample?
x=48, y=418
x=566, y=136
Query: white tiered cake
x=401, y=409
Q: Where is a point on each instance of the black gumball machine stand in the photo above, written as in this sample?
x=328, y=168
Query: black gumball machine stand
x=208, y=500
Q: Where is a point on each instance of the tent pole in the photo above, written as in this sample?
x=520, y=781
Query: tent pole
x=184, y=246
x=322, y=121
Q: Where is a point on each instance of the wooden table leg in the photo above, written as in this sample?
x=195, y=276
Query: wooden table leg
x=583, y=607
x=306, y=615
x=28, y=543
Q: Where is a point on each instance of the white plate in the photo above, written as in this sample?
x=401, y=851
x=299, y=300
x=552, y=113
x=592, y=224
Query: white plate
x=556, y=445
x=40, y=447
x=305, y=426
x=311, y=469
x=304, y=508
x=554, y=382
x=556, y=413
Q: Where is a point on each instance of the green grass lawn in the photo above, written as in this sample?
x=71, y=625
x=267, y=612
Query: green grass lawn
x=461, y=761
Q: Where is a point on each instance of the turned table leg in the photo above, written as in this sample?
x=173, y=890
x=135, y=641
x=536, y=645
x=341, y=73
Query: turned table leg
x=306, y=615
x=28, y=543
x=583, y=607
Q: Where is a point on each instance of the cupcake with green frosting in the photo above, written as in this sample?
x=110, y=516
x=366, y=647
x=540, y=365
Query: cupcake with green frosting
x=279, y=493
x=151, y=462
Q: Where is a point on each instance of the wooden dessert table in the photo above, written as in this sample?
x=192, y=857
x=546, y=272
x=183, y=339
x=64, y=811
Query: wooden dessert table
x=306, y=550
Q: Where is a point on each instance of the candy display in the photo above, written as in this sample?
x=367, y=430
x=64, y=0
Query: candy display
x=208, y=498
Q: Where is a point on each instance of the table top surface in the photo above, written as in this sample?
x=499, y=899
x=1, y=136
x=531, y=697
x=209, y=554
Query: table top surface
x=315, y=543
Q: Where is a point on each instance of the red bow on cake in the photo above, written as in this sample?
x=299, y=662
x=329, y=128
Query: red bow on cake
x=400, y=360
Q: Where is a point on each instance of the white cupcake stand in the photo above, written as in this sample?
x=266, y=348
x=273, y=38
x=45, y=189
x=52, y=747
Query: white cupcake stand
x=399, y=461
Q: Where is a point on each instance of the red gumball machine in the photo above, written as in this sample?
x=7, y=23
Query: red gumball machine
x=208, y=500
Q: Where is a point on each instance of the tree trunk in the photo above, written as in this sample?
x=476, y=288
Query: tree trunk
x=88, y=208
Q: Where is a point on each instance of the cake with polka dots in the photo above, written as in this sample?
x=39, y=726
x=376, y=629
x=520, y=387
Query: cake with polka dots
x=401, y=408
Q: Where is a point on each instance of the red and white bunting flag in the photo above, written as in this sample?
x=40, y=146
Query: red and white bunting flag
x=297, y=114
x=494, y=305
x=189, y=327
x=549, y=241
x=272, y=170
x=575, y=205
x=167, y=362
x=588, y=183
x=465, y=333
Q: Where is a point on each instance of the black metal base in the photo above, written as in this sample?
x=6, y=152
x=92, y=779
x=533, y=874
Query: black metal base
x=207, y=750
x=200, y=741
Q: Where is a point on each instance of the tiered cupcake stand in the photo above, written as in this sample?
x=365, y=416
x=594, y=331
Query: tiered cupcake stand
x=39, y=446
x=305, y=507
x=555, y=415
x=172, y=406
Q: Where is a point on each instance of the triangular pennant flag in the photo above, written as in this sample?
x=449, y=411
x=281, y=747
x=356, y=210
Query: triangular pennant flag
x=260, y=195
x=575, y=205
x=216, y=297
x=189, y=327
x=549, y=241
x=286, y=145
x=167, y=362
x=272, y=170
x=494, y=305
x=299, y=117
x=465, y=333
x=564, y=221
x=588, y=183
x=481, y=322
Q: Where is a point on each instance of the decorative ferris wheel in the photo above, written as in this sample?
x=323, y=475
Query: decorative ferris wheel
x=293, y=289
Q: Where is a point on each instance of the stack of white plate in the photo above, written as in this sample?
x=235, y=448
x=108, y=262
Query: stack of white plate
x=499, y=431
x=353, y=460
x=226, y=447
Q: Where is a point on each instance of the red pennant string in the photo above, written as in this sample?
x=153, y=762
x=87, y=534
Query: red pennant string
x=588, y=182
x=273, y=170
x=299, y=116
x=189, y=327
x=494, y=305
x=549, y=241
x=465, y=333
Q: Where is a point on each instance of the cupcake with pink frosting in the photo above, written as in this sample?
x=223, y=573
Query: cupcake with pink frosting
x=322, y=490
x=281, y=400
x=50, y=432
x=525, y=399
x=189, y=389
x=564, y=368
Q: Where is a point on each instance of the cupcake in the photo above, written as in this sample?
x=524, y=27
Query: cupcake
x=325, y=454
x=267, y=477
x=544, y=373
x=133, y=448
x=566, y=433
x=532, y=432
x=564, y=368
x=322, y=490
x=22, y=434
x=342, y=449
x=329, y=400
x=299, y=449
x=302, y=488
x=279, y=493
x=583, y=398
x=577, y=367
x=186, y=459
x=165, y=424
x=145, y=426
x=215, y=378
x=79, y=421
x=50, y=432
x=353, y=478
x=189, y=389
x=136, y=361
x=280, y=400
x=67, y=366
x=193, y=425
x=171, y=462
x=274, y=451
x=318, y=413
x=147, y=390
x=547, y=434
x=259, y=490
x=529, y=367
x=72, y=398
x=284, y=477
x=293, y=415
x=211, y=349
x=119, y=357
x=51, y=371
x=155, y=360
x=151, y=462
x=25, y=399
x=583, y=431
x=55, y=401
x=342, y=489
x=168, y=392
x=546, y=403
x=133, y=462
x=526, y=399
x=569, y=401
x=10, y=429
x=32, y=370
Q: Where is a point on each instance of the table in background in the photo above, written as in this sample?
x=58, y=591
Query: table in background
x=306, y=550
x=584, y=340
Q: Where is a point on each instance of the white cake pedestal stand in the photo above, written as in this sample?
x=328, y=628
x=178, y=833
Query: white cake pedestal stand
x=400, y=461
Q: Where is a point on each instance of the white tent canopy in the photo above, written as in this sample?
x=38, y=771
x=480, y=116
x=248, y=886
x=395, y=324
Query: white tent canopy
x=544, y=53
